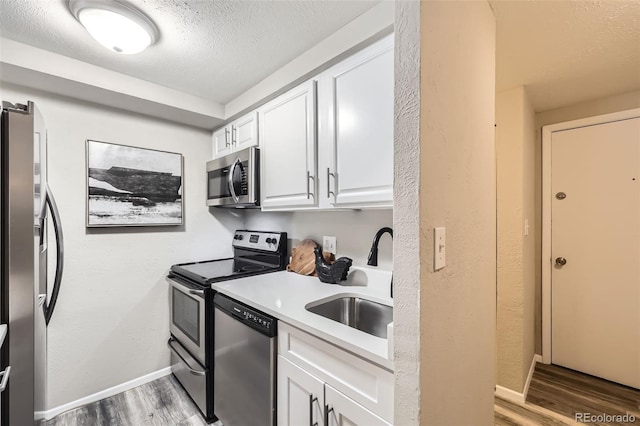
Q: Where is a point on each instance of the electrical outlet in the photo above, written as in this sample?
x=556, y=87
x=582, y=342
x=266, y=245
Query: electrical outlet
x=329, y=244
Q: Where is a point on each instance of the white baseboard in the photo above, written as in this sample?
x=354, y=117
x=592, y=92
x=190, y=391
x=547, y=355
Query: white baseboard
x=536, y=359
x=517, y=397
x=49, y=414
x=509, y=395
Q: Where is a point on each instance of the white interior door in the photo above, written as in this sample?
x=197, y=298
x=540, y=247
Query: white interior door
x=595, y=227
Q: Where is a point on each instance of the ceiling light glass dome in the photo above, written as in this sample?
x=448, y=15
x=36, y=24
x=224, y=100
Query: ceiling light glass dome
x=117, y=26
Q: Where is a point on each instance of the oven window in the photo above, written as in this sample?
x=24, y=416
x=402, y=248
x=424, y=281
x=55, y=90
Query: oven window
x=218, y=186
x=186, y=315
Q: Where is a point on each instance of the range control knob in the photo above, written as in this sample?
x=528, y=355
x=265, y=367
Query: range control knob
x=271, y=240
x=238, y=237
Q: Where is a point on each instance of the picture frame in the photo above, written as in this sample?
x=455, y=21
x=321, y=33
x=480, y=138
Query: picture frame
x=132, y=186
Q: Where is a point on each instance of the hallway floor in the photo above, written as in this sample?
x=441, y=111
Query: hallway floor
x=556, y=395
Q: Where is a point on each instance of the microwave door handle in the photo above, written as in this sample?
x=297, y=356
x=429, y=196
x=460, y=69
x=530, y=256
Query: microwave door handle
x=230, y=179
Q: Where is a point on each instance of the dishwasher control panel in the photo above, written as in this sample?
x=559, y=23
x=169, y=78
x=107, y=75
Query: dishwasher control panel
x=255, y=319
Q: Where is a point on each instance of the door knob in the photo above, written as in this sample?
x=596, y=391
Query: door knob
x=561, y=261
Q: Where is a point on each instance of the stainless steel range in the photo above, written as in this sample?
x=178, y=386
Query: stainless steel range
x=192, y=307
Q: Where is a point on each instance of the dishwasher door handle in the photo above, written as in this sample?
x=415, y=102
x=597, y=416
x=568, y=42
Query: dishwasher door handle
x=175, y=351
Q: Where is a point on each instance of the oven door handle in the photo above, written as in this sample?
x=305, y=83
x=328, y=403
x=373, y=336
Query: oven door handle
x=182, y=287
x=175, y=351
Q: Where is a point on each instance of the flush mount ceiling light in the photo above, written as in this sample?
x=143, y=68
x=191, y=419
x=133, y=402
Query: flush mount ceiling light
x=116, y=25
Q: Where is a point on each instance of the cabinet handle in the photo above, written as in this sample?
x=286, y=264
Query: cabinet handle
x=234, y=134
x=309, y=177
x=329, y=191
x=327, y=410
x=312, y=399
x=226, y=138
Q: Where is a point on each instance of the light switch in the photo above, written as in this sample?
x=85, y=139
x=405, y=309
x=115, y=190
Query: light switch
x=439, y=248
x=526, y=227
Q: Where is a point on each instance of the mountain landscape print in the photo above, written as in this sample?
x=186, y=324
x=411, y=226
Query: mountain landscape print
x=129, y=186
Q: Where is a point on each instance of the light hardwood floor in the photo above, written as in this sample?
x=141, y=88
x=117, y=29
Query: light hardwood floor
x=162, y=402
x=557, y=394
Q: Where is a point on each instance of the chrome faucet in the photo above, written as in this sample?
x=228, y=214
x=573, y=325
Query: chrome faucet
x=373, y=254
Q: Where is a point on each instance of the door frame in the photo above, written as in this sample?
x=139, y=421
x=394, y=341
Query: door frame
x=547, y=132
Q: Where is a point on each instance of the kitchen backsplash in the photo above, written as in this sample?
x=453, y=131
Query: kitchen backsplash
x=354, y=230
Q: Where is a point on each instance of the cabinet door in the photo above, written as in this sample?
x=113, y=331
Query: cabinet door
x=222, y=142
x=343, y=411
x=356, y=97
x=300, y=396
x=288, y=154
x=244, y=131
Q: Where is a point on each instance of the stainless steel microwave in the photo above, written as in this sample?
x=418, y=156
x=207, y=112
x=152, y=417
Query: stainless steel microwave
x=233, y=180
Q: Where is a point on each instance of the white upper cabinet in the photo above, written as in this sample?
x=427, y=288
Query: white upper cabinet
x=241, y=133
x=288, y=149
x=355, y=102
x=333, y=151
x=244, y=131
x=222, y=142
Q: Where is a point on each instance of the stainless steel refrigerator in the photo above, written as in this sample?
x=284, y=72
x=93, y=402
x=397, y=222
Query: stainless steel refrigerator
x=27, y=299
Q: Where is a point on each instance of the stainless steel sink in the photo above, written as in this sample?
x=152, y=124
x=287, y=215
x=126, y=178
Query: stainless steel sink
x=361, y=314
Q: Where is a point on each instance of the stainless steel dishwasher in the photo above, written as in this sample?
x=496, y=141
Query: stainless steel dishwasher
x=244, y=381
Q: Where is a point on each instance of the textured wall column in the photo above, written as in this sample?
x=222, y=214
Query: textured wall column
x=406, y=214
x=516, y=275
x=457, y=191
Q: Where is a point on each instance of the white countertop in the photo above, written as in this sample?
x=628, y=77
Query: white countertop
x=284, y=295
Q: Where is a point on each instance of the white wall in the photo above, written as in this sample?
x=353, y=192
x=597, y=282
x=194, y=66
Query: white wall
x=516, y=269
x=111, y=323
x=37, y=68
x=372, y=24
x=354, y=230
x=457, y=191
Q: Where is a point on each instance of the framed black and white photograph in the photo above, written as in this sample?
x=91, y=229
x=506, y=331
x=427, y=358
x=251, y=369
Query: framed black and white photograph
x=130, y=186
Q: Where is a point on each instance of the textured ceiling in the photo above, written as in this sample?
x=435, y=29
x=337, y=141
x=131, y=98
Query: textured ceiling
x=215, y=49
x=566, y=52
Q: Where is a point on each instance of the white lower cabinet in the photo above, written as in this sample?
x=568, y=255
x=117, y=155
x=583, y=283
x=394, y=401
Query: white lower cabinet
x=322, y=385
x=300, y=396
x=343, y=411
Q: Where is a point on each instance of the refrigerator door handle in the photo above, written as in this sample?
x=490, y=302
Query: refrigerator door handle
x=57, y=228
x=5, y=378
x=42, y=219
